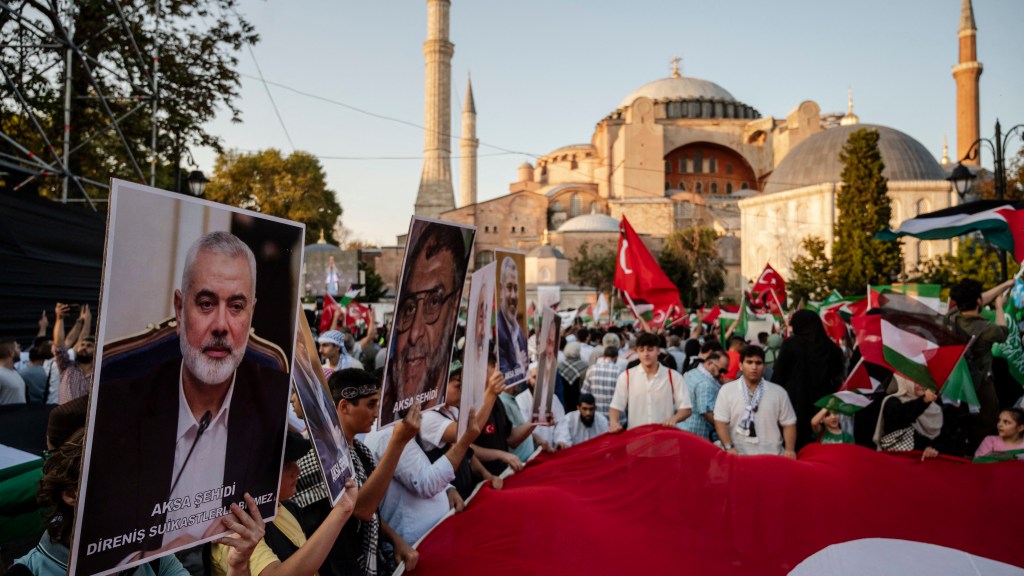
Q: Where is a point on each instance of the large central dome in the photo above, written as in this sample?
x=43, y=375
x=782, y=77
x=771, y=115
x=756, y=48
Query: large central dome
x=679, y=88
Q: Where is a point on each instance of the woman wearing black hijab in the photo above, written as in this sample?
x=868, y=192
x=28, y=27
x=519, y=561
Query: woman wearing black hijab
x=809, y=367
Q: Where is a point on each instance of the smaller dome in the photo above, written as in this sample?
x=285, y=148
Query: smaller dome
x=590, y=223
x=546, y=251
x=526, y=165
x=320, y=247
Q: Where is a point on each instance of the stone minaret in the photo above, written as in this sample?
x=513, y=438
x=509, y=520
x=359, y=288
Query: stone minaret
x=435, y=194
x=966, y=74
x=467, y=149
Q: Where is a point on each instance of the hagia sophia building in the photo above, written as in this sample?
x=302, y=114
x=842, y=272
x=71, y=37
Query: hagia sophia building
x=675, y=153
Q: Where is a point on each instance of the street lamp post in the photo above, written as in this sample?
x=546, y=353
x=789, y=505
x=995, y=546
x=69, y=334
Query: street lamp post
x=962, y=178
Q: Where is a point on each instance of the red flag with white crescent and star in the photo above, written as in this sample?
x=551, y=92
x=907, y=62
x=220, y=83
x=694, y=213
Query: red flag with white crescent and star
x=641, y=279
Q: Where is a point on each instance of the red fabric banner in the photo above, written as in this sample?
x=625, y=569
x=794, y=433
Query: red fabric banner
x=656, y=500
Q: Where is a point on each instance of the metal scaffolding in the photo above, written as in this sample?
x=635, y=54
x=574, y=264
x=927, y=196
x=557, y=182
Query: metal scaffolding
x=39, y=47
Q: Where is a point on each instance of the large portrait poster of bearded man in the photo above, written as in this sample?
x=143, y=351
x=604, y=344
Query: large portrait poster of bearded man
x=196, y=331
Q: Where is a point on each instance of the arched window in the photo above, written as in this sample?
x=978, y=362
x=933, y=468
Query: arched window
x=712, y=164
x=728, y=187
x=668, y=167
x=522, y=228
x=698, y=162
x=575, y=205
x=595, y=207
x=682, y=186
x=728, y=167
x=682, y=165
x=744, y=186
x=700, y=187
x=922, y=207
x=714, y=187
x=668, y=185
x=513, y=230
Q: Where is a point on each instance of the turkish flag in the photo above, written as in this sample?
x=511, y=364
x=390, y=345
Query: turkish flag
x=641, y=279
x=657, y=500
x=770, y=281
x=331, y=308
x=357, y=312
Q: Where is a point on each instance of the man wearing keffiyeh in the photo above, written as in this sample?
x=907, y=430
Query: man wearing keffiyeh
x=752, y=415
x=358, y=550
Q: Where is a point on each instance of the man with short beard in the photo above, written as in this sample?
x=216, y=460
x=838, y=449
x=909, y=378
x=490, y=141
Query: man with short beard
x=75, y=375
x=581, y=424
x=513, y=354
x=424, y=321
x=171, y=434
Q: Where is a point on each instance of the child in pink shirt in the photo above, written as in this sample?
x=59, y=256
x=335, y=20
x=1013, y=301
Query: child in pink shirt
x=1011, y=434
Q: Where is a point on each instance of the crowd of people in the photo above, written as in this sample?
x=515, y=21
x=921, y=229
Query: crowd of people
x=756, y=394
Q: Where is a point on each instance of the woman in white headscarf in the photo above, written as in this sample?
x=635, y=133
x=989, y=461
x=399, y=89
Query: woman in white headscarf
x=910, y=419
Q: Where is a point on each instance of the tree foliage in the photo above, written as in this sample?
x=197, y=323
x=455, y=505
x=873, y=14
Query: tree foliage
x=293, y=187
x=811, y=278
x=373, y=285
x=593, y=265
x=690, y=259
x=858, y=259
x=195, y=43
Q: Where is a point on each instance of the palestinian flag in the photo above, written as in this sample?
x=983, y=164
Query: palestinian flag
x=1012, y=350
x=927, y=294
x=352, y=293
x=925, y=349
x=999, y=221
x=586, y=313
x=853, y=395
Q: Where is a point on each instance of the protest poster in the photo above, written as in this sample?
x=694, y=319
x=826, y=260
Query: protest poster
x=422, y=336
x=320, y=414
x=188, y=409
x=547, y=365
x=513, y=354
x=478, y=341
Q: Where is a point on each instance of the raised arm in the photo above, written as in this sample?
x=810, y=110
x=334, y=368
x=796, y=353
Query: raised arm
x=376, y=486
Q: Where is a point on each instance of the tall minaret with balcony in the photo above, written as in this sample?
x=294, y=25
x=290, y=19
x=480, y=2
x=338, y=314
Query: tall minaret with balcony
x=966, y=74
x=435, y=193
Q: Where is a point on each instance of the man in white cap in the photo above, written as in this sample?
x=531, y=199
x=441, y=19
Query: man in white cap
x=334, y=353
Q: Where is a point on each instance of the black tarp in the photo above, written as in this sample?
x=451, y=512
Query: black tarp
x=49, y=252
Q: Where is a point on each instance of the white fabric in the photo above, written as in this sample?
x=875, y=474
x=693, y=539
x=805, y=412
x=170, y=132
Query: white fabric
x=571, y=431
x=53, y=373
x=416, y=497
x=892, y=557
x=650, y=400
x=205, y=467
x=12, y=387
x=434, y=424
x=774, y=411
x=546, y=433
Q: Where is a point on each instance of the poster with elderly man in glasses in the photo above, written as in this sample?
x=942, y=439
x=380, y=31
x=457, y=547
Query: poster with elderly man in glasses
x=422, y=334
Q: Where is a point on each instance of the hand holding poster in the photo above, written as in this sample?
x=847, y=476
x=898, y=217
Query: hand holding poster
x=513, y=354
x=188, y=416
x=478, y=341
x=320, y=414
x=547, y=365
x=423, y=331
